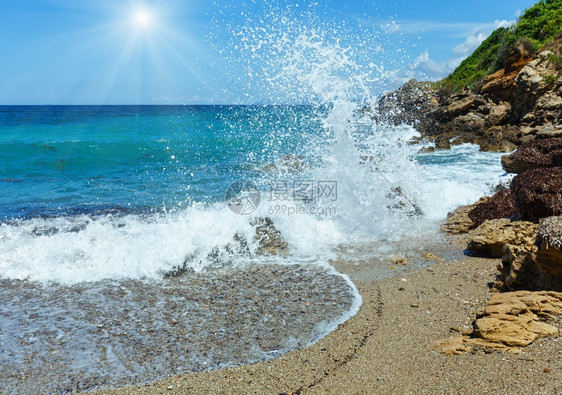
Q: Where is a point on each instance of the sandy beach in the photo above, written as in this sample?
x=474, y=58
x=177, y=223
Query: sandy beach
x=385, y=347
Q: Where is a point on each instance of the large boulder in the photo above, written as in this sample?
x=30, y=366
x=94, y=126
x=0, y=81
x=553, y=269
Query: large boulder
x=537, y=268
x=534, y=155
x=499, y=206
x=538, y=193
x=519, y=270
x=490, y=238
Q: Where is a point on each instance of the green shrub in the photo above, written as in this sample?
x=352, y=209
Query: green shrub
x=556, y=60
x=536, y=26
x=550, y=78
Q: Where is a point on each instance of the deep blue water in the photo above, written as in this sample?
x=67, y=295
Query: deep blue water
x=80, y=159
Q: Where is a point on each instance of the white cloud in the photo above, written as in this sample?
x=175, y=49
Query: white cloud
x=427, y=69
x=475, y=38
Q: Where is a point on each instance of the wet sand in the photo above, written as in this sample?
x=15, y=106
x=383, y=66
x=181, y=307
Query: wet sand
x=384, y=348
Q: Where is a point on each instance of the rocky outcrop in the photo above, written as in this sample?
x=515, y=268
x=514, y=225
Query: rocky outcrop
x=458, y=221
x=509, y=321
x=498, y=206
x=533, y=155
x=538, y=193
x=538, y=267
x=519, y=270
x=269, y=239
x=407, y=104
x=490, y=238
x=549, y=253
x=517, y=104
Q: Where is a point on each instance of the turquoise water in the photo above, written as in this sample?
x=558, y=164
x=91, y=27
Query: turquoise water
x=81, y=159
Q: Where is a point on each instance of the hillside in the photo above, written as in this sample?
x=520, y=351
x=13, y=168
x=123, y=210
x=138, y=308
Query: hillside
x=509, y=91
x=536, y=27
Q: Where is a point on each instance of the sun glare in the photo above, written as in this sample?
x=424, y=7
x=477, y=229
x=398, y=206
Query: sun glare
x=143, y=18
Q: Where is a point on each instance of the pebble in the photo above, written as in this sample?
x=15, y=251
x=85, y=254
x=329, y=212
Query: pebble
x=253, y=313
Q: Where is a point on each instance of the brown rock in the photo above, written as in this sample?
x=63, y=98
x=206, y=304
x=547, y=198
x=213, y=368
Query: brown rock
x=498, y=206
x=533, y=85
x=509, y=320
x=498, y=114
x=490, y=237
x=442, y=142
x=538, y=193
x=519, y=270
x=502, y=83
x=549, y=254
x=463, y=105
x=533, y=155
x=458, y=221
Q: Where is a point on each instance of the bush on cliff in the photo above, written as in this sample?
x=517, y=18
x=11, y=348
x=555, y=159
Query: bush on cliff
x=536, y=26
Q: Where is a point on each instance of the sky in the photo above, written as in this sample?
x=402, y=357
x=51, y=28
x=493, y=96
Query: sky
x=232, y=51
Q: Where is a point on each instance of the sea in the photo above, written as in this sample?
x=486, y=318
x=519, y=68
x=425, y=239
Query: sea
x=131, y=236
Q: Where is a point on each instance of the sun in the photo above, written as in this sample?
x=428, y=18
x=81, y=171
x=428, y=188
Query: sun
x=143, y=18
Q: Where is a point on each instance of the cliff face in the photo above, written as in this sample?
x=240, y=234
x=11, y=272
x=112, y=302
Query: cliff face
x=519, y=103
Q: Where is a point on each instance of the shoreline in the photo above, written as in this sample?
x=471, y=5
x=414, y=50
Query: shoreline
x=384, y=348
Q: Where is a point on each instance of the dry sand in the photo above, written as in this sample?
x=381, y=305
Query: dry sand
x=384, y=348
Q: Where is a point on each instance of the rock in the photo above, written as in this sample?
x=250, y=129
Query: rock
x=498, y=206
x=509, y=320
x=426, y=150
x=533, y=155
x=269, y=239
x=502, y=83
x=442, y=142
x=538, y=268
x=490, y=237
x=461, y=105
x=432, y=257
x=400, y=261
x=288, y=163
x=519, y=270
x=549, y=254
x=549, y=131
x=533, y=89
x=498, y=114
x=458, y=221
x=407, y=104
x=538, y=193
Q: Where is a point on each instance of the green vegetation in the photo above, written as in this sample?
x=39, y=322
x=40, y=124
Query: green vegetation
x=556, y=60
x=536, y=26
x=549, y=79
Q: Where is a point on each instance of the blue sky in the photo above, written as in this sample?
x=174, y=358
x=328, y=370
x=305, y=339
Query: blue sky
x=231, y=51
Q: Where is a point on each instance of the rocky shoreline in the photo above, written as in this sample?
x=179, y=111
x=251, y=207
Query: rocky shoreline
x=520, y=103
